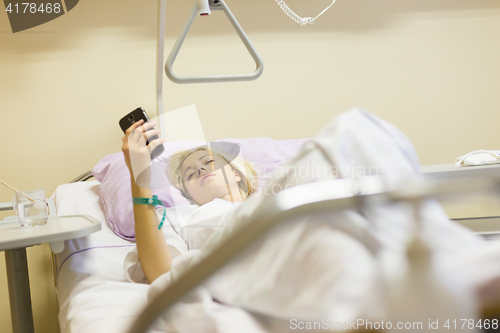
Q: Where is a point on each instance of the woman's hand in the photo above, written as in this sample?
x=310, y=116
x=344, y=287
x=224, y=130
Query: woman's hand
x=137, y=153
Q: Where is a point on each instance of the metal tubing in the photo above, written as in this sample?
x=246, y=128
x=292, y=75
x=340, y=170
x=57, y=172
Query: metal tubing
x=19, y=291
x=6, y=206
x=83, y=177
x=160, y=51
x=278, y=208
x=213, y=78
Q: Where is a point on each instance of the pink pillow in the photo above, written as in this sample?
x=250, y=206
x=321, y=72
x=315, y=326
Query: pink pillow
x=114, y=177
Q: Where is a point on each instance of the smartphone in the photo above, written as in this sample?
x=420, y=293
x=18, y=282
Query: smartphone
x=135, y=116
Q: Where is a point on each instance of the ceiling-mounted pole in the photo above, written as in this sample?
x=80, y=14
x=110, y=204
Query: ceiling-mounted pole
x=160, y=53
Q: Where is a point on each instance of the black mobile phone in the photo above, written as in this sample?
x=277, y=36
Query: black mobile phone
x=135, y=116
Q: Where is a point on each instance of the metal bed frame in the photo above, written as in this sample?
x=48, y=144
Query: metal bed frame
x=278, y=209
x=83, y=177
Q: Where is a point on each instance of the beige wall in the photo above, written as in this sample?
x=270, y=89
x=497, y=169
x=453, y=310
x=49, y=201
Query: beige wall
x=430, y=67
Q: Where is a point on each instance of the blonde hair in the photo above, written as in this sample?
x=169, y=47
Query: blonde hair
x=245, y=169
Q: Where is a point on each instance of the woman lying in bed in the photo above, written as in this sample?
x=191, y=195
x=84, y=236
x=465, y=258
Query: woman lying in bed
x=311, y=269
x=202, y=175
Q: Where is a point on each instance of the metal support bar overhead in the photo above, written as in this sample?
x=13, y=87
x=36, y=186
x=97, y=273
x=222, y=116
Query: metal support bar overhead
x=214, y=5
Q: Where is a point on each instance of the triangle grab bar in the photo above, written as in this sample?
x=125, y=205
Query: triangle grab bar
x=218, y=5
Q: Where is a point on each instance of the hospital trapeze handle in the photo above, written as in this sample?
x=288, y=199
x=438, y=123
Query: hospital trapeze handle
x=286, y=207
x=214, y=5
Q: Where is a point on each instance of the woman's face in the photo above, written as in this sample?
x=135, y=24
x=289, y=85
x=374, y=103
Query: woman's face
x=204, y=180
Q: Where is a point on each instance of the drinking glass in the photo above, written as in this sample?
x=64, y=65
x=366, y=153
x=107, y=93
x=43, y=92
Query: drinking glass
x=31, y=213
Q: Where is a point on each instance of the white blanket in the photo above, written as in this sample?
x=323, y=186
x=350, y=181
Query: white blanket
x=311, y=270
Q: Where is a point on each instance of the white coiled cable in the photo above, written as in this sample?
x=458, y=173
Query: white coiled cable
x=300, y=20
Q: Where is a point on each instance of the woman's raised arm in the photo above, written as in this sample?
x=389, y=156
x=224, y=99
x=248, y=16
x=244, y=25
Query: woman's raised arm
x=152, y=248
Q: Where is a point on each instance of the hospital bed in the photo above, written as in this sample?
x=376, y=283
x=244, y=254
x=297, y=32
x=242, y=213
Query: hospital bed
x=93, y=292
x=94, y=295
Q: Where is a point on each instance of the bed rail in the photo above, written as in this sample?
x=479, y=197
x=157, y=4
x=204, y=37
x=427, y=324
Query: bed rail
x=276, y=209
x=83, y=177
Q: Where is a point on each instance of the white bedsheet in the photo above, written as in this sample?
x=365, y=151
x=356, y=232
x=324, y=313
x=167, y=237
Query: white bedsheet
x=93, y=294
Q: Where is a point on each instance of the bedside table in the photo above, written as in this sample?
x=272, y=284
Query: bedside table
x=14, y=240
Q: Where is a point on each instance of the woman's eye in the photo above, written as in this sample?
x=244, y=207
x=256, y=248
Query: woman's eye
x=191, y=175
x=210, y=161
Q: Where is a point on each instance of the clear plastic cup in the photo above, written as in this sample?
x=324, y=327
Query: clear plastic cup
x=31, y=213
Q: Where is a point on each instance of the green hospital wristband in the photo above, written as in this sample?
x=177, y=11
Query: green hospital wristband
x=152, y=201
